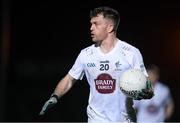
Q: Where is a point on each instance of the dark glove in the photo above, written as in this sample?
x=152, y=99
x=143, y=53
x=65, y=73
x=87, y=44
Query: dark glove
x=49, y=104
x=130, y=114
x=147, y=93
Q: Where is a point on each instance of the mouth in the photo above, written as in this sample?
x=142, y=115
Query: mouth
x=92, y=35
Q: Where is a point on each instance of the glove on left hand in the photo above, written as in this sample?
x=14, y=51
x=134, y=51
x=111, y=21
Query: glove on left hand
x=147, y=93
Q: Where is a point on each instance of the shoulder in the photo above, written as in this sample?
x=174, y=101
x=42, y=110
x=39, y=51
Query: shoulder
x=162, y=86
x=128, y=48
x=88, y=50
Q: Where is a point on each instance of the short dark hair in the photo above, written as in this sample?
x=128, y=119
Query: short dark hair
x=154, y=68
x=107, y=12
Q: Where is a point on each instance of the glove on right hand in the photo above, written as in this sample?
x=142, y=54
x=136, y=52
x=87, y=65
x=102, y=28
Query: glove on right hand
x=49, y=104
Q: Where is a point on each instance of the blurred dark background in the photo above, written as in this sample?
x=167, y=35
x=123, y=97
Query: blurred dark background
x=41, y=39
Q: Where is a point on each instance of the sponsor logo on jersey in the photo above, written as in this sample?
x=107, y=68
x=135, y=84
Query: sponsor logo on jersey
x=105, y=83
x=91, y=65
x=106, y=61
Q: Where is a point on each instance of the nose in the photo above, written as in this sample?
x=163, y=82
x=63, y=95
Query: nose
x=91, y=28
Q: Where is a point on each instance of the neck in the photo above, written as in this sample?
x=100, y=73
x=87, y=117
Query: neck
x=108, y=44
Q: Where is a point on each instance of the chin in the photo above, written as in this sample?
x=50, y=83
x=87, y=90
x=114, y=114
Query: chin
x=94, y=40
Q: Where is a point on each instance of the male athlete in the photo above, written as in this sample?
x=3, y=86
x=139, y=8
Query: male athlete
x=159, y=108
x=103, y=63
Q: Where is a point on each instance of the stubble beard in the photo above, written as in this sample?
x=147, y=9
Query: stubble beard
x=97, y=42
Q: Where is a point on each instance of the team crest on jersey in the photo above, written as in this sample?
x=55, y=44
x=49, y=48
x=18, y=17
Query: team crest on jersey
x=118, y=66
x=153, y=109
x=105, y=83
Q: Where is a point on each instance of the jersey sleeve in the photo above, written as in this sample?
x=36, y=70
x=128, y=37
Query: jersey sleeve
x=77, y=70
x=169, y=96
x=138, y=62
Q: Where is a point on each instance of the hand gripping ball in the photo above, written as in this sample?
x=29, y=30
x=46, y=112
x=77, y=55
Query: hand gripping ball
x=132, y=81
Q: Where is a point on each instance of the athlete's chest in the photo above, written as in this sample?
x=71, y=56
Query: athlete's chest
x=103, y=71
x=112, y=64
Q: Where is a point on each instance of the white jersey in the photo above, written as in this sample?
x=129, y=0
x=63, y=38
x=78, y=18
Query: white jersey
x=106, y=101
x=153, y=110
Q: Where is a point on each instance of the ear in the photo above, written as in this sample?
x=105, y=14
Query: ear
x=110, y=28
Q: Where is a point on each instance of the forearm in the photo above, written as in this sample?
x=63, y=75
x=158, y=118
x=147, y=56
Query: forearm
x=169, y=110
x=64, y=86
x=130, y=109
